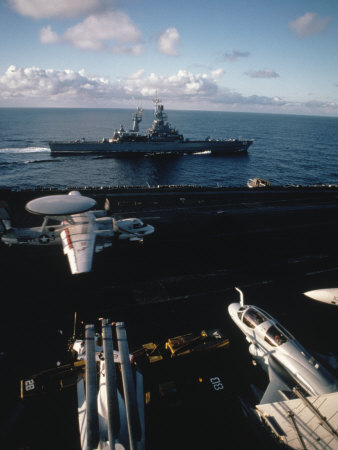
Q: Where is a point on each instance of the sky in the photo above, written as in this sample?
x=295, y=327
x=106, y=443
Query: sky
x=267, y=56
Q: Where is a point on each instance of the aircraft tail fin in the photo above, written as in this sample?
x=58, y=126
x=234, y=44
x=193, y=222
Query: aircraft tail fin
x=5, y=221
x=107, y=207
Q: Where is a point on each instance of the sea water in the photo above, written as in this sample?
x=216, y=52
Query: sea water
x=287, y=149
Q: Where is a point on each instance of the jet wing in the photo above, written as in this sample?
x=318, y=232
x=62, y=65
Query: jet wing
x=78, y=242
x=272, y=393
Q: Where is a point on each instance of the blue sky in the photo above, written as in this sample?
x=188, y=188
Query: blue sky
x=278, y=56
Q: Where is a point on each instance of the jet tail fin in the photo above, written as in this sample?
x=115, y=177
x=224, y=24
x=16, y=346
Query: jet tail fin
x=5, y=221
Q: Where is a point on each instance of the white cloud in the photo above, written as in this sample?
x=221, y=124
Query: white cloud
x=195, y=91
x=182, y=85
x=329, y=106
x=48, y=36
x=39, y=9
x=235, y=55
x=309, y=23
x=50, y=87
x=53, y=87
x=109, y=31
x=135, y=49
x=168, y=41
x=266, y=73
x=217, y=73
x=34, y=86
x=138, y=74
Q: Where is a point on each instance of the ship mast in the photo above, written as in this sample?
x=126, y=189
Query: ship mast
x=137, y=118
x=160, y=116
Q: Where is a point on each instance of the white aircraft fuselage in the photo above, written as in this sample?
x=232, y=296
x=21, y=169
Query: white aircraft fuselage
x=276, y=349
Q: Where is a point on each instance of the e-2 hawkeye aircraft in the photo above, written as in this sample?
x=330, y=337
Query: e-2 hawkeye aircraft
x=287, y=362
x=81, y=231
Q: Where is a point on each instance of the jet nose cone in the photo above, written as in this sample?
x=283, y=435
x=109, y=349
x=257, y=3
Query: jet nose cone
x=233, y=310
x=324, y=295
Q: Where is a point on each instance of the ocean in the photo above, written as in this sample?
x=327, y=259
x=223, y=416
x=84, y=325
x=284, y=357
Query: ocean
x=287, y=149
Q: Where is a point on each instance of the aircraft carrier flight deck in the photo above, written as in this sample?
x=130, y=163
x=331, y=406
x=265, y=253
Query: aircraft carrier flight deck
x=274, y=243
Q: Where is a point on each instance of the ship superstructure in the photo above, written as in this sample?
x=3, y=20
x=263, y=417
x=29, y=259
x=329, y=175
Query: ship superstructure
x=160, y=129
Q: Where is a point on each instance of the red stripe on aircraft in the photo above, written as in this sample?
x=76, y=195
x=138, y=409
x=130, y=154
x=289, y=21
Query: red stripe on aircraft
x=68, y=239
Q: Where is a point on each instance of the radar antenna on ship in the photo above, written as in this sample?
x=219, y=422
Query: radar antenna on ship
x=158, y=113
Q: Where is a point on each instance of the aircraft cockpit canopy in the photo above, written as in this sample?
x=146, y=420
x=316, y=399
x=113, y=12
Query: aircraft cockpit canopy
x=275, y=337
x=251, y=317
x=138, y=224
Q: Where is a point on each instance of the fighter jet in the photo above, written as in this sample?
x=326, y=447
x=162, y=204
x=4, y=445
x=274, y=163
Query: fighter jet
x=81, y=231
x=285, y=360
x=329, y=296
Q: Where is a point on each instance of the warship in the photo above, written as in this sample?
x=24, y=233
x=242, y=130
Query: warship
x=160, y=139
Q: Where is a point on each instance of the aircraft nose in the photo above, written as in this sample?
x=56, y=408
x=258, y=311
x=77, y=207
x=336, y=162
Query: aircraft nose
x=233, y=310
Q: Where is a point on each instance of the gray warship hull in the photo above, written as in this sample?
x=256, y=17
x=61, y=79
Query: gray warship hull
x=134, y=148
